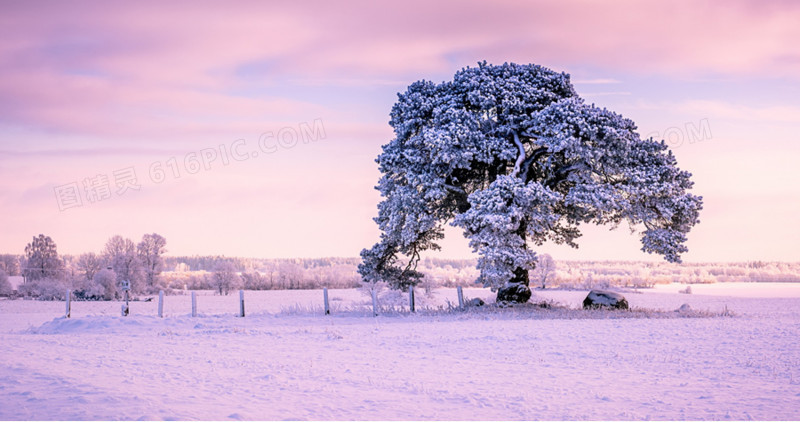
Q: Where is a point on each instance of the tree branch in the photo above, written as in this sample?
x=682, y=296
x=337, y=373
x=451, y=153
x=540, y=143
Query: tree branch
x=412, y=261
x=521, y=156
x=454, y=189
x=461, y=197
x=563, y=172
x=526, y=166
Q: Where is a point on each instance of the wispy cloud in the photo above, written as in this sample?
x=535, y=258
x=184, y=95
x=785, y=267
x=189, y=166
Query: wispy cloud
x=91, y=152
x=604, y=93
x=349, y=82
x=727, y=110
x=121, y=68
x=721, y=109
x=597, y=81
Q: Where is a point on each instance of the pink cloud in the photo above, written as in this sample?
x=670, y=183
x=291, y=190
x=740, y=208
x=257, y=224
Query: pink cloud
x=76, y=103
x=186, y=42
x=123, y=68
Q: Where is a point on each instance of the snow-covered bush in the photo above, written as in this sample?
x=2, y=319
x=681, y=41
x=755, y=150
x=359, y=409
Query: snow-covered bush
x=84, y=289
x=44, y=289
x=106, y=284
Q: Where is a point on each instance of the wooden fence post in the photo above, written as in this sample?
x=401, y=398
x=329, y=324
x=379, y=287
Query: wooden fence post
x=325, y=298
x=68, y=312
x=460, y=297
x=161, y=304
x=194, y=304
x=411, y=298
x=241, y=303
x=126, y=308
x=374, y=303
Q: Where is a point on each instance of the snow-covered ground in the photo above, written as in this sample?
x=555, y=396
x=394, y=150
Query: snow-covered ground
x=286, y=361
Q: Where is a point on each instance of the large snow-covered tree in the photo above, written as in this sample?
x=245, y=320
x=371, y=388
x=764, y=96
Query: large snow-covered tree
x=513, y=156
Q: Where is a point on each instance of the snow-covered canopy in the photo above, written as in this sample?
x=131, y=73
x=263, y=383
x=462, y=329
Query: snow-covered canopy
x=512, y=155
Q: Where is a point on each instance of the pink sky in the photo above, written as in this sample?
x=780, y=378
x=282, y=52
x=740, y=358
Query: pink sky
x=90, y=88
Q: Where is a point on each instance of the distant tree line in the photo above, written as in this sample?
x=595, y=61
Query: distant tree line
x=91, y=276
x=209, y=263
x=99, y=276
x=229, y=274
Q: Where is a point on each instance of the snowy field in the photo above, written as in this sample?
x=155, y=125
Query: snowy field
x=286, y=361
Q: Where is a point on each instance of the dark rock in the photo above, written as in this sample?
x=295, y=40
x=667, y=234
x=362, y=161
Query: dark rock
x=514, y=292
x=475, y=302
x=604, y=299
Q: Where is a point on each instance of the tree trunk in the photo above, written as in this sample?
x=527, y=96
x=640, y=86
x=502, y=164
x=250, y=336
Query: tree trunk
x=520, y=276
x=517, y=290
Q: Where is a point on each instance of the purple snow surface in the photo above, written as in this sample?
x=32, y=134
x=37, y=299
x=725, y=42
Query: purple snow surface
x=284, y=362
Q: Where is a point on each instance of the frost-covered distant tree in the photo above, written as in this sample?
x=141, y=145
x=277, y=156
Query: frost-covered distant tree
x=5, y=285
x=120, y=254
x=41, y=259
x=545, y=270
x=513, y=156
x=252, y=281
x=89, y=264
x=10, y=264
x=150, y=251
x=225, y=277
x=290, y=275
